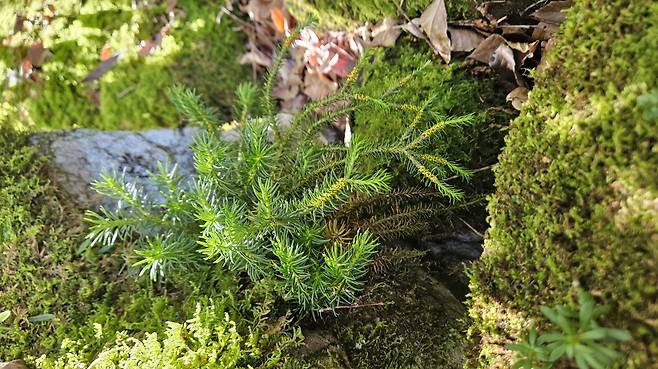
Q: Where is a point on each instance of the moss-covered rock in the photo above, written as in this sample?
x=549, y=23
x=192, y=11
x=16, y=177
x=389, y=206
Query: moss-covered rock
x=53, y=290
x=576, y=204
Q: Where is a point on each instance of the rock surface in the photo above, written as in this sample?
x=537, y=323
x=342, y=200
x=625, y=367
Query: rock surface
x=78, y=157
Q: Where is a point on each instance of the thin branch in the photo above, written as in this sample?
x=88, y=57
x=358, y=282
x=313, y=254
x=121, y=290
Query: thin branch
x=355, y=306
x=471, y=228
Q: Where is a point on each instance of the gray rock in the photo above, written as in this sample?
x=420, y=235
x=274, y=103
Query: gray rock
x=466, y=246
x=78, y=157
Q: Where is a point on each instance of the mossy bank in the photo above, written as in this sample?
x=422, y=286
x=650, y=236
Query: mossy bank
x=577, y=188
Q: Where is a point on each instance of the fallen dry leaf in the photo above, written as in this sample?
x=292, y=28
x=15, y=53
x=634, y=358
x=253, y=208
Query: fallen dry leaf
x=317, y=86
x=14, y=364
x=279, y=19
x=261, y=10
x=543, y=62
x=36, y=54
x=463, y=39
x=434, y=22
x=552, y=13
x=385, y=33
x=256, y=57
x=518, y=97
x=529, y=52
x=413, y=27
x=486, y=49
x=544, y=31
x=503, y=58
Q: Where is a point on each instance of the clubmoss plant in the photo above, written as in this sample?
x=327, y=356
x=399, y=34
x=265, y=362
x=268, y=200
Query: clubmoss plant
x=261, y=204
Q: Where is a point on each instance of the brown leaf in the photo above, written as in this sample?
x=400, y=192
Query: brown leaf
x=553, y=13
x=518, y=97
x=503, y=58
x=544, y=31
x=14, y=364
x=486, y=49
x=256, y=57
x=293, y=105
x=413, y=27
x=36, y=54
x=279, y=19
x=317, y=87
x=261, y=10
x=528, y=53
x=543, y=63
x=434, y=22
x=462, y=39
x=18, y=23
x=385, y=33
x=290, y=77
x=342, y=63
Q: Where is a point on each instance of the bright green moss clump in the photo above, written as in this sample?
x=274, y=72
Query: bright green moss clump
x=577, y=188
x=195, y=50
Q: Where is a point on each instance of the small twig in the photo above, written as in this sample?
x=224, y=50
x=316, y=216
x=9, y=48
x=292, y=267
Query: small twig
x=355, y=306
x=536, y=4
x=471, y=228
x=473, y=171
x=126, y=91
x=236, y=18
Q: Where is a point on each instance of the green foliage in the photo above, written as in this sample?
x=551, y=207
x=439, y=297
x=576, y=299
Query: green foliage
x=574, y=188
x=350, y=13
x=48, y=288
x=446, y=89
x=209, y=339
x=261, y=204
x=196, y=50
x=580, y=339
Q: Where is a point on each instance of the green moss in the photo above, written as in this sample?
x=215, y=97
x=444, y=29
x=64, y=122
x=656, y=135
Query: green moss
x=418, y=327
x=577, y=187
x=350, y=13
x=43, y=274
x=196, y=51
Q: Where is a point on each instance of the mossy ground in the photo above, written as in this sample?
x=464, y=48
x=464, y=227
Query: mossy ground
x=196, y=51
x=575, y=205
x=419, y=327
x=42, y=273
